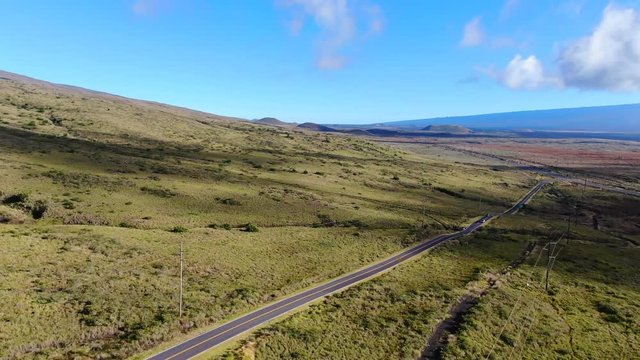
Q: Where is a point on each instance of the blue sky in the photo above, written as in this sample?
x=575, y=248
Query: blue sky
x=334, y=61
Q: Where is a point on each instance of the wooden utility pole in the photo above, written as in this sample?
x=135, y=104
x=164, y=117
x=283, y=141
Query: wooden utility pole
x=551, y=260
x=181, y=268
x=569, y=226
x=546, y=277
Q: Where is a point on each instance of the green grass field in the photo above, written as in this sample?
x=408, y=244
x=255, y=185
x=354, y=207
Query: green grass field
x=591, y=310
x=97, y=192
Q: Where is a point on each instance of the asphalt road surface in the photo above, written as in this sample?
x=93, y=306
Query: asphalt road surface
x=231, y=329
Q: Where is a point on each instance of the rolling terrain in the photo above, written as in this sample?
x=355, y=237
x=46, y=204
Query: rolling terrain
x=98, y=191
x=590, y=311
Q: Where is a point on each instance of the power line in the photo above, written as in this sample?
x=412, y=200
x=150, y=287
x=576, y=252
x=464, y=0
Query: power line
x=514, y=307
x=552, y=259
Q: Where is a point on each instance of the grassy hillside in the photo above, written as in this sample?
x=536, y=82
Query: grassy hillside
x=98, y=191
x=591, y=311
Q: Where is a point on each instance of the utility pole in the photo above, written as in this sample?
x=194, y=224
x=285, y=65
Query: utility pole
x=546, y=277
x=551, y=259
x=568, y=226
x=181, y=268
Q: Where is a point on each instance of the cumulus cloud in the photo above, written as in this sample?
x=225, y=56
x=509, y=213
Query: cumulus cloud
x=337, y=20
x=473, y=33
x=609, y=58
x=526, y=73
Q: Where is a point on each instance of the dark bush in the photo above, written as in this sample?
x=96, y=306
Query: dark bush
x=229, y=201
x=448, y=192
x=178, y=229
x=353, y=223
x=250, y=228
x=324, y=221
x=16, y=199
x=38, y=209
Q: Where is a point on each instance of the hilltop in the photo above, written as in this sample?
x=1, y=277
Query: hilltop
x=274, y=122
x=316, y=127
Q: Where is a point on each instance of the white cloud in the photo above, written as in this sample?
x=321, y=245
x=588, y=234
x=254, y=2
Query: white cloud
x=607, y=59
x=508, y=8
x=473, y=33
x=337, y=20
x=526, y=73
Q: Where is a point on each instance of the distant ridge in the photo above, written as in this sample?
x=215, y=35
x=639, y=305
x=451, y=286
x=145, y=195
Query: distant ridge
x=274, y=122
x=316, y=127
x=613, y=118
x=451, y=129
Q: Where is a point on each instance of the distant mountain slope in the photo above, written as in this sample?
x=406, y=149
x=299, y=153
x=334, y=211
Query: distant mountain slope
x=316, y=127
x=615, y=118
x=274, y=122
x=452, y=129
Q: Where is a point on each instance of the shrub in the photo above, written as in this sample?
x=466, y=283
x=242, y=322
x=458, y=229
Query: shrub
x=16, y=199
x=68, y=204
x=324, y=221
x=353, y=223
x=178, y=229
x=250, y=228
x=226, y=226
x=38, y=209
x=229, y=201
x=448, y=192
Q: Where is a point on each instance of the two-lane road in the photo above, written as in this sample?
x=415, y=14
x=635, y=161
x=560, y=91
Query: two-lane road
x=231, y=329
